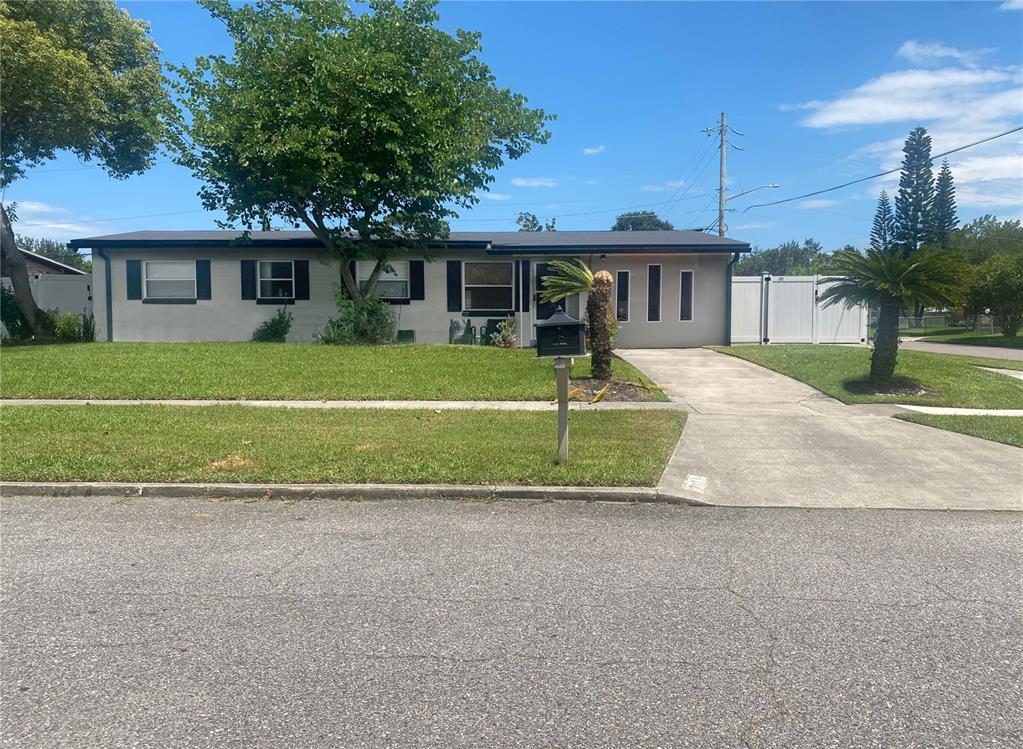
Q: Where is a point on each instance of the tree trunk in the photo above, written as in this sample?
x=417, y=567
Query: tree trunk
x=15, y=263
x=886, y=344
x=598, y=311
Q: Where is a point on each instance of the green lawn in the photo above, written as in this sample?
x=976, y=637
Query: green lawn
x=253, y=444
x=841, y=372
x=1007, y=429
x=284, y=371
x=978, y=339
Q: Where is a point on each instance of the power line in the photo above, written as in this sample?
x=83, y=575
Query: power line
x=881, y=174
x=103, y=220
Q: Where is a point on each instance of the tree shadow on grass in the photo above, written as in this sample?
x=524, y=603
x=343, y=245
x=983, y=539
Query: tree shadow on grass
x=899, y=386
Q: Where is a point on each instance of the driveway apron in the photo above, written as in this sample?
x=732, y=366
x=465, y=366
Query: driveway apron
x=757, y=438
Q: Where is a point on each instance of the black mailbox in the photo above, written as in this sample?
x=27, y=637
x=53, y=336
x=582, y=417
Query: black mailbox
x=560, y=335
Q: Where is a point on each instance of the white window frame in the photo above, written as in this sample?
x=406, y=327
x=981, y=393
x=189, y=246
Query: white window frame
x=692, y=302
x=660, y=292
x=145, y=279
x=628, y=298
x=260, y=279
x=465, y=287
x=385, y=276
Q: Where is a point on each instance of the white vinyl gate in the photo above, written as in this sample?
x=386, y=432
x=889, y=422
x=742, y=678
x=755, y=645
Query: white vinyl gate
x=784, y=309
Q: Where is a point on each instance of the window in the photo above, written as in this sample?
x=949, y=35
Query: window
x=622, y=279
x=653, y=293
x=170, y=279
x=392, y=284
x=685, y=304
x=489, y=285
x=276, y=279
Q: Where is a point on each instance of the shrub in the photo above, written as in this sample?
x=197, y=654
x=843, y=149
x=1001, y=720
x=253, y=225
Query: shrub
x=372, y=323
x=507, y=334
x=66, y=327
x=274, y=330
x=87, y=328
x=10, y=314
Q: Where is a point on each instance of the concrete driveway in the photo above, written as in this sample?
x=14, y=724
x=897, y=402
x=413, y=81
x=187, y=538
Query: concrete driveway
x=758, y=438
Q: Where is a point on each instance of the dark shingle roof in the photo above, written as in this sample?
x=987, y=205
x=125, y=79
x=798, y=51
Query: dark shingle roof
x=496, y=242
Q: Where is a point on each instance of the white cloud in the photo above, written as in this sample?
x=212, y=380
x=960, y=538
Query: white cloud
x=664, y=186
x=756, y=225
x=1011, y=5
x=535, y=182
x=47, y=221
x=958, y=105
x=497, y=196
x=932, y=53
x=816, y=203
x=593, y=151
x=921, y=95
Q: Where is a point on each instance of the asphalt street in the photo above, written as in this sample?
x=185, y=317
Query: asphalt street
x=191, y=623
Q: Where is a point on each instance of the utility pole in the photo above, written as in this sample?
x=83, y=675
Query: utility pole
x=722, y=131
x=721, y=179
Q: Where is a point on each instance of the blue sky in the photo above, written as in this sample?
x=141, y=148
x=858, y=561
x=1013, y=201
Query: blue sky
x=823, y=92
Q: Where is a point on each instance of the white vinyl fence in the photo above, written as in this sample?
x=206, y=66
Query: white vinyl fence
x=59, y=292
x=784, y=309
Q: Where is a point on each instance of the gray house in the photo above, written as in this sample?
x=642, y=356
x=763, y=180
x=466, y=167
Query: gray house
x=672, y=288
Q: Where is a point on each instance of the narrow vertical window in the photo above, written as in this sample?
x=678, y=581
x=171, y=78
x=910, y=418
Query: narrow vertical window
x=622, y=295
x=653, y=293
x=685, y=303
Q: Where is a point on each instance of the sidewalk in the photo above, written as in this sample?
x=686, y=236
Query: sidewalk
x=986, y=352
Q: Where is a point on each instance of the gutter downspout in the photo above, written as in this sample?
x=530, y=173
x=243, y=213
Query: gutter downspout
x=728, y=299
x=107, y=293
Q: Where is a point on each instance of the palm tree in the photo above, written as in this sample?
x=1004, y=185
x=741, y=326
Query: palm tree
x=892, y=282
x=574, y=277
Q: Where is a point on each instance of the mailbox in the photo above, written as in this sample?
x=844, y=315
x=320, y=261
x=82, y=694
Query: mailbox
x=560, y=335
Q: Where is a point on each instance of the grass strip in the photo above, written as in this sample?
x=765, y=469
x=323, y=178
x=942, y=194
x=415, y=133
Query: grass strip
x=251, y=444
x=924, y=378
x=1007, y=429
x=285, y=371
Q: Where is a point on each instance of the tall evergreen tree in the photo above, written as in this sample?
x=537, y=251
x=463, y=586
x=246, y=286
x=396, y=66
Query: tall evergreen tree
x=914, y=202
x=882, y=235
x=944, y=219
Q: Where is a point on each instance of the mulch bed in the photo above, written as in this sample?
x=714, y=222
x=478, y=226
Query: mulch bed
x=618, y=391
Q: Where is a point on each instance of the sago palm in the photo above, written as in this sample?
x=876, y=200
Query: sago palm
x=574, y=277
x=892, y=282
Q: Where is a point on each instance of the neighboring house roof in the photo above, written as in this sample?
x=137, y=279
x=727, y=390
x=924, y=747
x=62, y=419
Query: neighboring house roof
x=48, y=265
x=496, y=242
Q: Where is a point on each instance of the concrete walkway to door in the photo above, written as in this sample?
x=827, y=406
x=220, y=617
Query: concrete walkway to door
x=757, y=438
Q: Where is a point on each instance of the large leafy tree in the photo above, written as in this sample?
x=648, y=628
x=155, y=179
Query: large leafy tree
x=986, y=236
x=891, y=281
x=943, y=217
x=997, y=285
x=529, y=222
x=369, y=127
x=75, y=75
x=914, y=203
x=882, y=233
x=571, y=277
x=641, y=221
x=787, y=259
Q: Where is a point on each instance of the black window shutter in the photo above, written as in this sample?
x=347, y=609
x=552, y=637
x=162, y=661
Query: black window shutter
x=517, y=292
x=417, y=279
x=454, y=285
x=203, y=285
x=134, y=271
x=524, y=286
x=248, y=279
x=301, y=279
x=653, y=293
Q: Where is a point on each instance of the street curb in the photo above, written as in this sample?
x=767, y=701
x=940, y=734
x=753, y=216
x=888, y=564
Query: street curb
x=343, y=491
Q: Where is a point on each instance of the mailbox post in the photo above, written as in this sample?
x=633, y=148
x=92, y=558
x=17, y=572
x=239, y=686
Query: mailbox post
x=561, y=337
